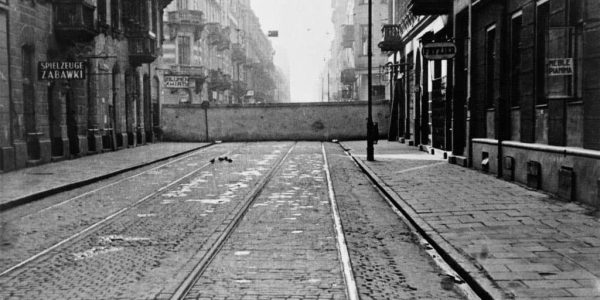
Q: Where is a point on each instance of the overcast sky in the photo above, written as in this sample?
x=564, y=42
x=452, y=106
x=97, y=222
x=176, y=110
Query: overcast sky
x=305, y=34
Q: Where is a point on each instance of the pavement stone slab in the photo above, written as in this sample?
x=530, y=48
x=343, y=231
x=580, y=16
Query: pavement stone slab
x=526, y=223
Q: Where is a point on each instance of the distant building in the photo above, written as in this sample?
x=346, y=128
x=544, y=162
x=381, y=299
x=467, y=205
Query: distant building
x=219, y=49
x=349, y=50
x=77, y=77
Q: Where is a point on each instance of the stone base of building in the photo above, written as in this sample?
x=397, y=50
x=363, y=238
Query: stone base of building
x=122, y=140
x=141, y=137
x=131, y=139
x=45, y=150
x=60, y=149
x=569, y=173
x=94, y=144
x=20, y=154
x=7, y=159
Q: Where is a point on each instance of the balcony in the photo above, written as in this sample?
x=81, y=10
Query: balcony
x=348, y=76
x=392, y=38
x=348, y=36
x=186, y=17
x=187, y=70
x=239, y=53
x=74, y=20
x=142, y=48
x=430, y=7
x=219, y=81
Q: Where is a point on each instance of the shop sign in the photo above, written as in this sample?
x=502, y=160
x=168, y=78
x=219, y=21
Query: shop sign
x=59, y=70
x=560, y=66
x=179, y=82
x=439, y=51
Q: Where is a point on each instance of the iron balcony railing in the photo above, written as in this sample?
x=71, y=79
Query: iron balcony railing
x=392, y=38
x=192, y=17
x=430, y=7
x=74, y=20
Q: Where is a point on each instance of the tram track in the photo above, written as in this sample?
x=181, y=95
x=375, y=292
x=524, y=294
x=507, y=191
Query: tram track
x=192, y=279
x=63, y=247
x=113, y=215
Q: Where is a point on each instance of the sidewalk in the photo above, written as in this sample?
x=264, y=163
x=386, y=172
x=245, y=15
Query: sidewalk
x=512, y=241
x=26, y=185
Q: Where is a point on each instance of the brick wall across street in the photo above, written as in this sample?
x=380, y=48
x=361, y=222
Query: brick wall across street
x=272, y=122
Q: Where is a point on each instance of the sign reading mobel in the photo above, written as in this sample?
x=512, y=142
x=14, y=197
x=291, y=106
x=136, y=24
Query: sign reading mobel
x=58, y=70
x=439, y=50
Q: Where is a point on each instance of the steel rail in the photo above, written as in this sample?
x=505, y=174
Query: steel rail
x=96, y=225
x=114, y=183
x=183, y=290
x=351, y=289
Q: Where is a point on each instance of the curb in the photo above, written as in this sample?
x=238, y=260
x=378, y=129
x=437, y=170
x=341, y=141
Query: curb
x=67, y=187
x=471, y=272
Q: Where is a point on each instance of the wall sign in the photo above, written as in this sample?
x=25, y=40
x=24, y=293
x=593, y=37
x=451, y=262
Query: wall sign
x=560, y=66
x=439, y=50
x=59, y=70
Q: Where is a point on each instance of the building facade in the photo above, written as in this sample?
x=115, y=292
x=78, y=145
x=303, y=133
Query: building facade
x=219, y=49
x=517, y=99
x=77, y=77
x=348, y=65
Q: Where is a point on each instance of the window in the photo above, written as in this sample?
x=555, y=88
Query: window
x=27, y=71
x=577, y=11
x=515, y=58
x=490, y=65
x=182, y=4
x=183, y=47
x=364, y=30
x=541, y=30
x=115, y=14
x=102, y=11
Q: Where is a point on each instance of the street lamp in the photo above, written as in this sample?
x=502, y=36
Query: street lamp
x=370, y=125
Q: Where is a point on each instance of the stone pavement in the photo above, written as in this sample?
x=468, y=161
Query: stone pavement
x=514, y=242
x=29, y=184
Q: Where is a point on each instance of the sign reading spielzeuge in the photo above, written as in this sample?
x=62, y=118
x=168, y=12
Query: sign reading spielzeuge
x=57, y=70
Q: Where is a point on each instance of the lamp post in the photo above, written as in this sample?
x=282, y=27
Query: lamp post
x=370, y=149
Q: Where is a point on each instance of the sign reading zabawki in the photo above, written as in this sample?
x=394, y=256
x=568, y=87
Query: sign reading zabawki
x=56, y=70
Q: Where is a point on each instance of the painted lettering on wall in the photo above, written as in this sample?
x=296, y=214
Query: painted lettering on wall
x=61, y=70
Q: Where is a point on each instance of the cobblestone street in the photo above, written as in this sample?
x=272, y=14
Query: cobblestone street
x=256, y=221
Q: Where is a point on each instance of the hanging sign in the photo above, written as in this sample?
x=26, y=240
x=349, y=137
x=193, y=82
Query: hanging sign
x=58, y=70
x=439, y=50
x=560, y=66
x=179, y=82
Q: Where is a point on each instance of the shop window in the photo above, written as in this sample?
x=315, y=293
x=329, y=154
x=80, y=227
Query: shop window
x=541, y=29
x=115, y=14
x=515, y=58
x=101, y=7
x=490, y=65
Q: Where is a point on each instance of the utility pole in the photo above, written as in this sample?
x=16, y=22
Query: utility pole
x=370, y=149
